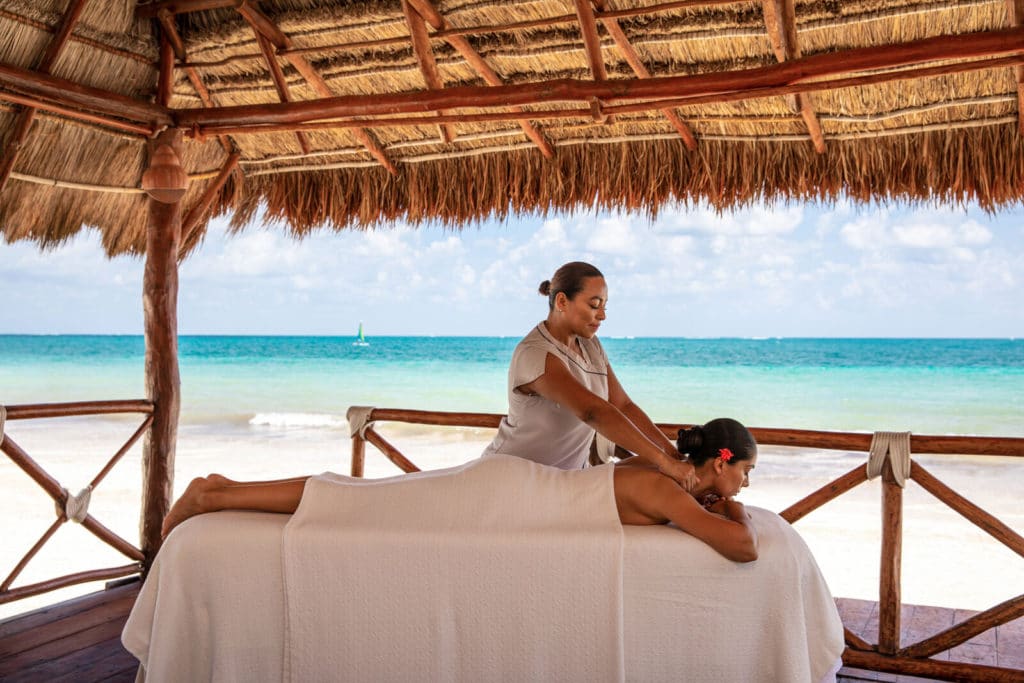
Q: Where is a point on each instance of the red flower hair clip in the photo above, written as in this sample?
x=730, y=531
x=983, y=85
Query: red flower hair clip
x=724, y=454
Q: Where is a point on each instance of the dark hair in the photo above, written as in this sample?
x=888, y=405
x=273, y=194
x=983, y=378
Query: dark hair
x=568, y=279
x=703, y=443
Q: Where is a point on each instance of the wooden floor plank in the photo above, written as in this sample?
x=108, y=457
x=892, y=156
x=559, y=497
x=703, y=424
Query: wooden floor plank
x=87, y=647
x=97, y=663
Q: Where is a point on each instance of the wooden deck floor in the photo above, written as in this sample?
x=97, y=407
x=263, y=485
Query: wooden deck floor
x=79, y=640
x=75, y=641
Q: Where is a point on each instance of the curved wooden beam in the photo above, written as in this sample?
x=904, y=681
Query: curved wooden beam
x=965, y=46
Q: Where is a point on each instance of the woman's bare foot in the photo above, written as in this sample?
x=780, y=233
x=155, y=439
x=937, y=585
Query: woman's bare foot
x=191, y=503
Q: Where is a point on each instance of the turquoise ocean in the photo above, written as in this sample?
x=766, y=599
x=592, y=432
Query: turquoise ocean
x=932, y=386
x=269, y=407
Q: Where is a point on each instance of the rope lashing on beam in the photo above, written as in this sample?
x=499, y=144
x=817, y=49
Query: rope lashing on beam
x=76, y=507
x=3, y=419
x=359, y=420
x=896, y=447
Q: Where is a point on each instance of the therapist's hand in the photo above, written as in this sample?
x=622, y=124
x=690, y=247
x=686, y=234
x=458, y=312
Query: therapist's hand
x=682, y=472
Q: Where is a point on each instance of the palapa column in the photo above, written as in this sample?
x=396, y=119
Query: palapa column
x=165, y=182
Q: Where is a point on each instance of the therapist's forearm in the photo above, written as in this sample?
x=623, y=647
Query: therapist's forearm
x=617, y=427
x=646, y=425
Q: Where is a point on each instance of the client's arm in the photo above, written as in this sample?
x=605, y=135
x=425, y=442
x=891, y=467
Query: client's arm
x=644, y=496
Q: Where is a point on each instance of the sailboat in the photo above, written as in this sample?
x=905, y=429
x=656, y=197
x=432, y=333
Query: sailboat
x=360, y=339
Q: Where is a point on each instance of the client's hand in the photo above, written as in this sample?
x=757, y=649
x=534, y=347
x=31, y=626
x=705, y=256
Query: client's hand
x=682, y=472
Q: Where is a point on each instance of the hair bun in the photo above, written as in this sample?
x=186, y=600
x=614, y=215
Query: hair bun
x=690, y=440
x=545, y=288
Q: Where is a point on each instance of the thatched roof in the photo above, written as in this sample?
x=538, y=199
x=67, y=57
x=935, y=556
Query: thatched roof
x=408, y=110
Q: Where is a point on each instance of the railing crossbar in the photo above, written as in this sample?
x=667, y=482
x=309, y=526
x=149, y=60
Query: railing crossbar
x=957, y=634
x=31, y=553
x=968, y=510
x=121, y=452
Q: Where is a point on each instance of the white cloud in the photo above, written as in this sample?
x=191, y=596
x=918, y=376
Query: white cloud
x=613, y=236
x=759, y=271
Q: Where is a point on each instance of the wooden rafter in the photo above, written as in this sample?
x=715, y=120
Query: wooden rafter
x=1015, y=17
x=280, y=40
x=190, y=224
x=165, y=76
x=170, y=30
x=632, y=58
x=425, y=56
x=277, y=75
x=431, y=16
x=591, y=41
x=780, y=20
x=19, y=132
x=797, y=75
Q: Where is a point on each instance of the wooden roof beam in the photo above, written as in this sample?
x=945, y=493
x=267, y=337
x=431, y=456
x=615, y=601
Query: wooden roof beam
x=153, y=9
x=430, y=14
x=19, y=132
x=425, y=56
x=791, y=73
x=780, y=20
x=1015, y=17
x=711, y=96
x=280, y=40
x=632, y=58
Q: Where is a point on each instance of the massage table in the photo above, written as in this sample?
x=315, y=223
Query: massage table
x=390, y=580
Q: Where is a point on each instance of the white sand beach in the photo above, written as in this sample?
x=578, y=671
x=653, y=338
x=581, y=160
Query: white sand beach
x=947, y=561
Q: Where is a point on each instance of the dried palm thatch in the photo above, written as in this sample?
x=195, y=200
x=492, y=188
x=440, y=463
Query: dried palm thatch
x=347, y=113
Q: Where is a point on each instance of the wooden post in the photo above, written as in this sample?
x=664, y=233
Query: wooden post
x=358, y=455
x=163, y=384
x=889, y=598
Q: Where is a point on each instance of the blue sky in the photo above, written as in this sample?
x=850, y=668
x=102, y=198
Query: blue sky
x=784, y=270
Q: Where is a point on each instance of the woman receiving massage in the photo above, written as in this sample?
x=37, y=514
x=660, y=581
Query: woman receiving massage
x=561, y=390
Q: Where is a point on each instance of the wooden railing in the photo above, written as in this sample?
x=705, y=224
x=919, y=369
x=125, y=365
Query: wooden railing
x=68, y=505
x=888, y=654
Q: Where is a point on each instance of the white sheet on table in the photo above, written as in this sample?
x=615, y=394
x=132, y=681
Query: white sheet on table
x=212, y=608
x=500, y=569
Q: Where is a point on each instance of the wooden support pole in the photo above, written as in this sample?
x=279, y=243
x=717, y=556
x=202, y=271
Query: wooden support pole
x=797, y=73
x=358, y=455
x=163, y=382
x=632, y=58
x=19, y=132
x=1015, y=17
x=425, y=56
x=889, y=592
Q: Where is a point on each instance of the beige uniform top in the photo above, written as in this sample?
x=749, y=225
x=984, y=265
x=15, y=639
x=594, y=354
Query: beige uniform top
x=538, y=429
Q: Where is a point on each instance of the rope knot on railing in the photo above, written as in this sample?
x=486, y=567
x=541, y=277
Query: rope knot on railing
x=359, y=420
x=76, y=507
x=894, y=446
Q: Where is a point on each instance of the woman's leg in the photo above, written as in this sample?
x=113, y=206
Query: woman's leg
x=216, y=492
